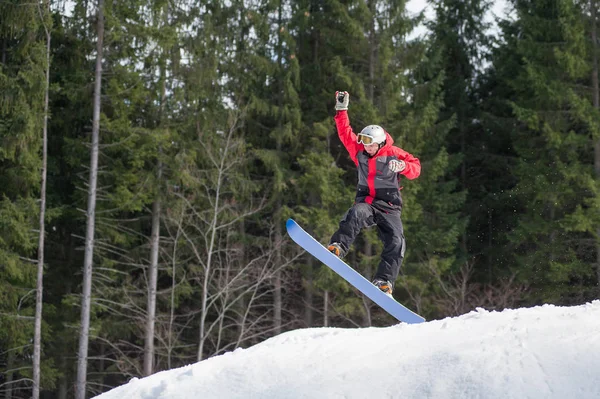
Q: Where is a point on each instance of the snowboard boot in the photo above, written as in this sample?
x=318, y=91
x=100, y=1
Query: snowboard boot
x=336, y=249
x=384, y=286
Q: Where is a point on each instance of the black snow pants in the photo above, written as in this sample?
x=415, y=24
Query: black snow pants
x=390, y=231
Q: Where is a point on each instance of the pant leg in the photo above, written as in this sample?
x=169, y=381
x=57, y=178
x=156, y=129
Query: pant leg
x=391, y=233
x=361, y=215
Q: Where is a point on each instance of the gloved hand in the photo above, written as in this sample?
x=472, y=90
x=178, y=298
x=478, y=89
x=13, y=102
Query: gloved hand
x=396, y=166
x=342, y=98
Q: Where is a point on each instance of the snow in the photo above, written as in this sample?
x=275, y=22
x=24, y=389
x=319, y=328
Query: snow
x=540, y=352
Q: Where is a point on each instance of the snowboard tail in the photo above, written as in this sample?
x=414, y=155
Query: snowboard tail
x=315, y=248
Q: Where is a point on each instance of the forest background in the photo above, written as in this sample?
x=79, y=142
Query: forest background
x=151, y=151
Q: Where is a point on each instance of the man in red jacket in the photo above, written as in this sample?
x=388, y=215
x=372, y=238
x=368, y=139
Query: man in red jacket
x=378, y=201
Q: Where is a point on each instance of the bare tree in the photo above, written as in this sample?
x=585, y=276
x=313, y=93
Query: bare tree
x=84, y=334
x=222, y=162
x=234, y=283
x=37, y=336
x=221, y=282
x=458, y=294
x=171, y=330
x=238, y=299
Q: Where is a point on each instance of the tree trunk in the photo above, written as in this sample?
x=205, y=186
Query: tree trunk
x=9, y=376
x=155, y=237
x=37, y=337
x=326, y=309
x=86, y=298
x=171, y=340
x=101, y=375
x=3, y=57
x=309, y=294
x=596, y=95
x=63, y=379
x=277, y=300
x=152, y=281
x=277, y=294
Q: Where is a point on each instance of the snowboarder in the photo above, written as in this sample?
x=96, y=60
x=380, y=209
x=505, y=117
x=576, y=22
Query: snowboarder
x=378, y=201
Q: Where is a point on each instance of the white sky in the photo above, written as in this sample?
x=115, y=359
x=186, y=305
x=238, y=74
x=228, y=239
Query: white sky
x=543, y=352
x=499, y=8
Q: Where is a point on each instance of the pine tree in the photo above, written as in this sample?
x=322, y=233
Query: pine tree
x=433, y=202
x=553, y=136
x=456, y=52
x=71, y=110
x=22, y=89
x=596, y=105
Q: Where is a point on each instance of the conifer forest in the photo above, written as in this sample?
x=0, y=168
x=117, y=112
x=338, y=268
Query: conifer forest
x=151, y=152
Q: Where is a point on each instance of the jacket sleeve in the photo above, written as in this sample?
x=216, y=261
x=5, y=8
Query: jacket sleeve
x=413, y=165
x=346, y=135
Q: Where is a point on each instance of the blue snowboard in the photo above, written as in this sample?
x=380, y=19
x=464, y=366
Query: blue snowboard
x=307, y=242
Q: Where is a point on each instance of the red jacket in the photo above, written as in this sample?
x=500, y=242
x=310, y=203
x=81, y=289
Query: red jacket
x=377, y=184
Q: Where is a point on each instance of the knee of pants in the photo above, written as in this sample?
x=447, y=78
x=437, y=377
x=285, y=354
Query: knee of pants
x=398, y=245
x=361, y=211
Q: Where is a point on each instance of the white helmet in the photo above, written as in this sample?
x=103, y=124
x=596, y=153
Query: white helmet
x=371, y=134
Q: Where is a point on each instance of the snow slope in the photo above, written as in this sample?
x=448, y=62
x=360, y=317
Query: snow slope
x=541, y=352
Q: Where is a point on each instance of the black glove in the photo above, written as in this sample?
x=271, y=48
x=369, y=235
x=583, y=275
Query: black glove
x=341, y=100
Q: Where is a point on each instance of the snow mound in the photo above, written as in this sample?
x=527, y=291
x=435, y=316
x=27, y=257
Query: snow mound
x=541, y=352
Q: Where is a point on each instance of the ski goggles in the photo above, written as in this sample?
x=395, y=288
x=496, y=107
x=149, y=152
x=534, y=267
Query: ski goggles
x=364, y=139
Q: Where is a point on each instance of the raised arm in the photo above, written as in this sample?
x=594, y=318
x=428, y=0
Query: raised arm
x=342, y=123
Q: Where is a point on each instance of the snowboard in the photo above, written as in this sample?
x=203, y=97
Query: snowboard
x=317, y=250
